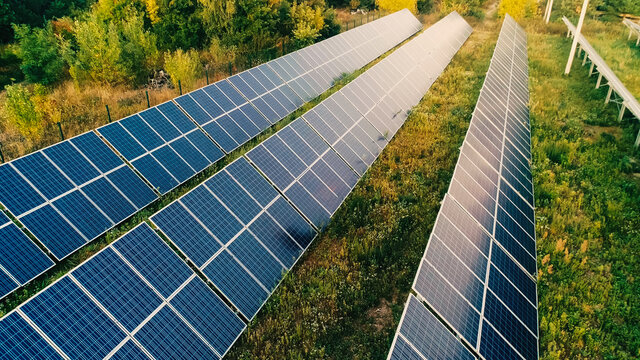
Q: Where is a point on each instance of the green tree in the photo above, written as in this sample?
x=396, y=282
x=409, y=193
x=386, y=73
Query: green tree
x=180, y=25
x=40, y=54
x=183, y=66
x=21, y=111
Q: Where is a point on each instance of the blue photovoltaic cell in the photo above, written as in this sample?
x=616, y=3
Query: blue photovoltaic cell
x=285, y=155
x=290, y=220
x=177, y=117
x=447, y=302
x=16, y=194
x=129, y=351
x=233, y=129
x=192, y=108
x=117, y=287
x=257, y=259
x=320, y=191
x=43, y=175
x=221, y=137
x=142, y=132
x=20, y=256
x=494, y=347
x=122, y=141
x=7, y=284
x=509, y=326
x=270, y=167
x=221, y=99
x=190, y=154
x=236, y=284
x=206, y=146
x=160, y=124
x=83, y=214
x=430, y=337
x=230, y=92
x=276, y=239
x=148, y=254
x=340, y=168
x=74, y=323
x=71, y=162
x=517, y=276
x=308, y=205
x=166, y=336
x=514, y=300
x=186, y=233
x=205, y=102
x=256, y=117
x=132, y=187
x=97, y=151
x=109, y=200
x=208, y=314
x=18, y=340
x=252, y=181
x=232, y=195
x=211, y=213
x=53, y=231
x=266, y=110
x=3, y=218
x=245, y=123
x=403, y=351
x=151, y=169
x=173, y=163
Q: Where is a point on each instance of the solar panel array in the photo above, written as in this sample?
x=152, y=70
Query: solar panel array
x=234, y=110
x=478, y=270
x=307, y=160
x=138, y=299
x=70, y=193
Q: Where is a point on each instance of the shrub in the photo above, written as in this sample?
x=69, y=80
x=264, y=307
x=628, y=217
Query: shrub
x=183, y=66
x=395, y=5
x=40, y=54
x=463, y=7
x=424, y=6
x=518, y=9
x=21, y=111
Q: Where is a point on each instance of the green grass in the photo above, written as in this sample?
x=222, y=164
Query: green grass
x=587, y=191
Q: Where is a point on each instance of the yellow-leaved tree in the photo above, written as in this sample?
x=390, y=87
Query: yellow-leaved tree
x=518, y=9
x=395, y=5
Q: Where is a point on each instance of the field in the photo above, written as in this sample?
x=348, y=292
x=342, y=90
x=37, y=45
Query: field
x=344, y=298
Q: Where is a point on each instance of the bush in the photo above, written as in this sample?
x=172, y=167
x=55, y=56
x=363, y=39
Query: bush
x=40, y=54
x=395, y=5
x=518, y=9
x=463, y=7
x=183, y=66
x=424, y=6
x=21, y=111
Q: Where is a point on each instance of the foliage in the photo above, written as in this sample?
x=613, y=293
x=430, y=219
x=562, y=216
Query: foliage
x=9, y=66
x=21, y=111
x=463, y=7
x=183, y=66
x=395, y=5
x=111, y=53
x=180, y=25
x=308, y=23
x=424, y=6
x=40, y=54
x=518, y=9
x=217, y=16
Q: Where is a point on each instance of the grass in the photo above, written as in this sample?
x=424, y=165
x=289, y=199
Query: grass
x=587, y=191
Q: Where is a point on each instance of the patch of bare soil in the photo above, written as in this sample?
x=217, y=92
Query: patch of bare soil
x=381, y=315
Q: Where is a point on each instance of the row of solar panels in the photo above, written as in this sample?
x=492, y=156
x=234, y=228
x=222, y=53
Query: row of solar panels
x=478, y=271
x=70, y=193
x=137, y=299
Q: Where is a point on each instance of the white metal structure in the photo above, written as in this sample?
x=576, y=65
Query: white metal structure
x=634, y=28
x=618, y=93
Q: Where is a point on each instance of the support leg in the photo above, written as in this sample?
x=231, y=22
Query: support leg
x=638, y=140
x=599, y=80
x=584, y=60
x=591, y=69
x=622, y=109
x=606, y=101
x=638, y=41
x=630, y=33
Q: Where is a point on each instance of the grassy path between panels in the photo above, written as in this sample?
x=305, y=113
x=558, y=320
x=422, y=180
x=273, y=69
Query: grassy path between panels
x=345, y=297
x=587, y=187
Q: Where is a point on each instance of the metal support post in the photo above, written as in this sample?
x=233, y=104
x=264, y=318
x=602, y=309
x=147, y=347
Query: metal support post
x=622, y=109
x=148, y=103
x=60, y=129
x=108, y=114
x=576, y=36
x=606, y=101
x=599, y=80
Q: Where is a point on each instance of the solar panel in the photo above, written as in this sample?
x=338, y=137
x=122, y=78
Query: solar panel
x=72, y=192
x=134, y=299
x=478, y=270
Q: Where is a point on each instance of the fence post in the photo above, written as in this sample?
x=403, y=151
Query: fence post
x=206, y=72
x=148, y=103
x=108, y=114
x=1, y=154
x=180, y=86
x=60, y=128
x=347, y=26
x=354, y=22
x=230, y=69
